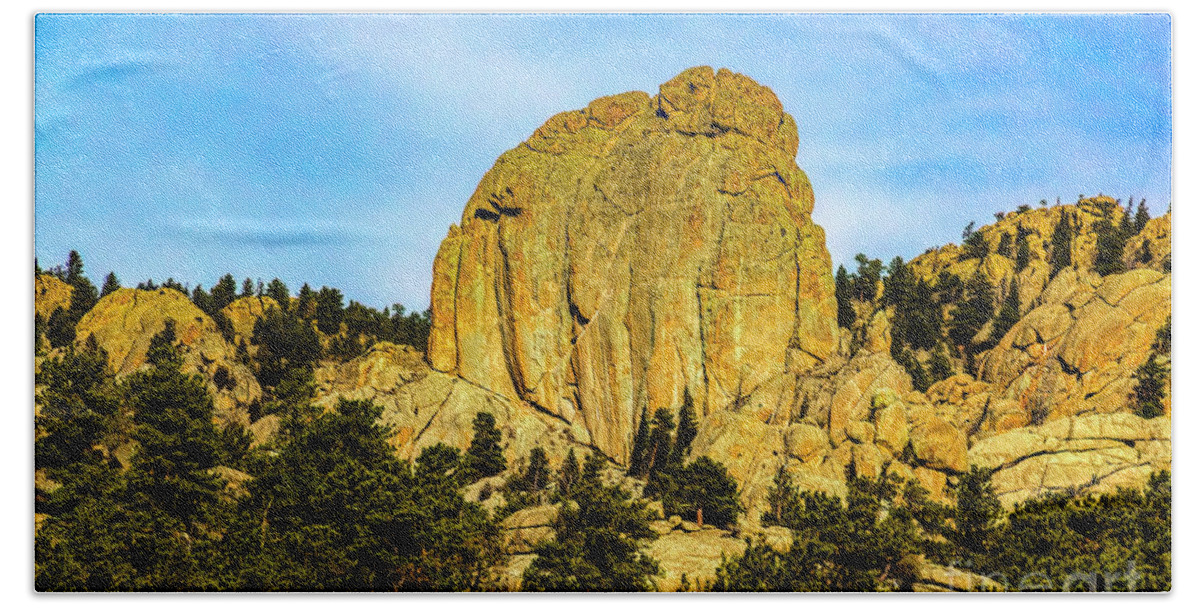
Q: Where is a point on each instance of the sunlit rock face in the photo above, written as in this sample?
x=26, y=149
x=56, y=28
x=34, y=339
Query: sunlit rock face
x=635, y=249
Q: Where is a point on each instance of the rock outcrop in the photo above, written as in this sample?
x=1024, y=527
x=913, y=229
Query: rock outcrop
x=243, y=312
x=125, y=321
x=1078, y=350
x=1038, y=224
x=1092, y=453
x=634, y=249
x=49, y=294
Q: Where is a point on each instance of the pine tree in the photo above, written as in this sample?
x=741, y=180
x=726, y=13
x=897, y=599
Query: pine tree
x=639, y=462
x=969, y=316
x=1060, y=245
x=224, y=292
x=247, y=288
x=203, y=301
x=687, y=429
x=537, y=474
x=305, y=302
x=939, y=365
x=658, y=453
x=843, y=292
x=74, y=268
x=170, y=486
x=1125, y=227
x=1110, y=245
x=1007, y=316
x=595, y=544
x=111, y=284
x=485, y=457
x=568, y=473
x=1005, y=247
x=1142, y=218
x=1147, y=256
x=1149, y=391
x=328, y=310
x=782, y=499
x=278, y=291
x=1023, y=253
x=976, y=513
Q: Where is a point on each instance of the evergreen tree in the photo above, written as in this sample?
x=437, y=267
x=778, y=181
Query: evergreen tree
x=1162, y=339
x=865, y=282
x=639, y=461
x=75, y=406
x=687, y=429
x=74, y=270
x=60, y=329
x=972, y=313
x=337, y=511
x=863, y=545
x=1060, y=245
x=224, y=292
x=595, y=544
x=976, y=514
x=111, y=284
x=939, y=365
x=247, y=288
x=203, y=301
x=284, y=344
x=975, y=246
x=842, y=291
x=1007, y=316
x=536, y=475
x=305, y=302
x=704, y=492
x=1125, y=227
x=485, y=457
x=782, y=499
x=1110, y=246
x=569, y=473
x=278, y=291
x=1149, y=391
x=1142, y=218
x=171, y=283
x=173, y=496
x=1147, y=256
x=1004, y=248
x=1023, y=253
x=328, y=310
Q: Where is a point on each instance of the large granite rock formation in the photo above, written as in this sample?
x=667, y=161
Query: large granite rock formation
x=634, y=249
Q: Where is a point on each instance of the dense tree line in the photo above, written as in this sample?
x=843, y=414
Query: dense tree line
x=878, y=537
x=351, y=329
x=326, y=506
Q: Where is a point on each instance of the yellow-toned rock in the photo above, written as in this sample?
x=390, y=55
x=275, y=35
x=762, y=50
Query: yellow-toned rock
x=806, y=442
x=49, y=294
x=891, y=428
x=243, y=312
x=937, y=443
x=635, y=249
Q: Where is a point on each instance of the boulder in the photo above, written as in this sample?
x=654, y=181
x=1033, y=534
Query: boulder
x=937, y=443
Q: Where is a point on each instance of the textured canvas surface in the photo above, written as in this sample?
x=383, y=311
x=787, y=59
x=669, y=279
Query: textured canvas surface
x=699, y=302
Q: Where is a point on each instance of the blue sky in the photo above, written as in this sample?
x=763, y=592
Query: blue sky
x=337, y=149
